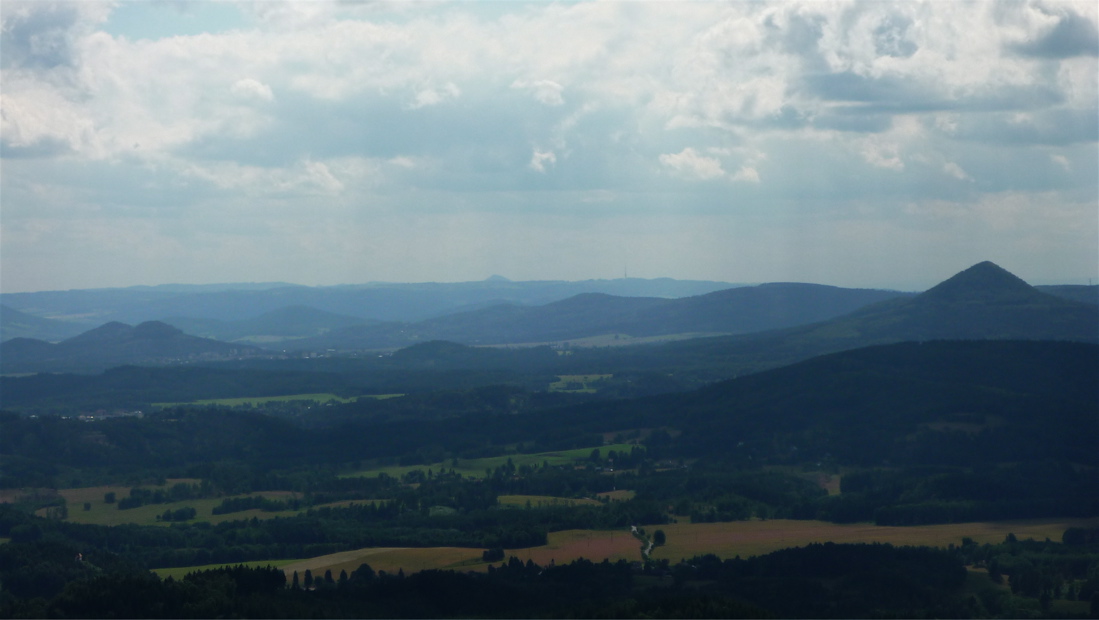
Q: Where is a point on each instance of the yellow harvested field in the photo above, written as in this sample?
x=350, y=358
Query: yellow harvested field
x=750, y=538
x=685, y=540
x=389, y=559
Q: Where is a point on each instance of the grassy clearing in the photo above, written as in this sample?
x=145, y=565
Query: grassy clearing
x=102, y=513
x=544, y=500
x=475, y=468
x=577, y=383
x=620, y=495
x=389, y=559
x=259, y=401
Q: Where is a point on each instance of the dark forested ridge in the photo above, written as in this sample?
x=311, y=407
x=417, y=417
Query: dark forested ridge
x=982, y=302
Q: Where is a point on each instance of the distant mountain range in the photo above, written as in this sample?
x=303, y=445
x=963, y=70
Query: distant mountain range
x=291, y=322
x=775, y=324
x=367, y=302
x=731, y=311
x=982, y=302
x=16, y=324
x=114, y=344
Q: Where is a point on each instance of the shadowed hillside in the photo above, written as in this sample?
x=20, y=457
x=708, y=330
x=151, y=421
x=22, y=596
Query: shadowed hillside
x=982, y=302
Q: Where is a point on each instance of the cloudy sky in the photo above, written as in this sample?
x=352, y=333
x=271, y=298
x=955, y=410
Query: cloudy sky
x=850, y=143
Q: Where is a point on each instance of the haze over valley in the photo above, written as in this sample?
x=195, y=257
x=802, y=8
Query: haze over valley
x=794, y=309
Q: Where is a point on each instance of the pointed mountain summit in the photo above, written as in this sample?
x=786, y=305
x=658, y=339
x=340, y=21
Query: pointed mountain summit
x=984, y=302
x=984, y=282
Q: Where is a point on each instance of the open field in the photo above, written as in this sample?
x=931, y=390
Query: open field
x=619, y=495
x=390, y=559
x=257, y=401
x=577, y=383
x=102, y=513
x=750, y=538
x=543, y=500
x=685, y=540
x=475, y=468
x=827, y=480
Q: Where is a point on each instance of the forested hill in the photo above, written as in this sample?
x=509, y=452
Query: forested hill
x=982, y=302
x=737, y=310
x=935, y=403
x=115, y=344
x=932, y=403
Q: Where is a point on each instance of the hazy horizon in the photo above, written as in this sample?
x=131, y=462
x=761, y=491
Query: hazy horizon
x=871, y=145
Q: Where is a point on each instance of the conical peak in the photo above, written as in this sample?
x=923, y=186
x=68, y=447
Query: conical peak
x=985, y=280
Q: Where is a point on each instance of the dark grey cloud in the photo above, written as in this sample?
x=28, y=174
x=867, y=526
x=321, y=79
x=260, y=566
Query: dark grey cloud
x=858, y=121
x=867, y=103
x=1055, y=127
x=1074, y=35
x=39, y=38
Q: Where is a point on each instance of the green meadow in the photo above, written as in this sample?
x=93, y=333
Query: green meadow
x=99, y=512
x=475, y=468
x=577, y=383
x=259, y=401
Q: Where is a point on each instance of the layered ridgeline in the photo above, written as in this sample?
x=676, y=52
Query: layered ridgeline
x=17, y=324
x=270, y=328
x=982, y=302
x=115, y=344
x=732, y=311
x=367, y=302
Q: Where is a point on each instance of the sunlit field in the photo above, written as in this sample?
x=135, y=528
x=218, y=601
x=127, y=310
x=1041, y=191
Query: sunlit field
x=684, y=540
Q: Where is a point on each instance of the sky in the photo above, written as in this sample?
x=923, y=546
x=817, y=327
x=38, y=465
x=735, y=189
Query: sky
x=863, y=144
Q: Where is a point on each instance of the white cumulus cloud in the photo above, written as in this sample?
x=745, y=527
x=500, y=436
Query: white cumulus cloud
x=249, y=88
x=546, y=92
x=540, y=159
x=690, y=164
